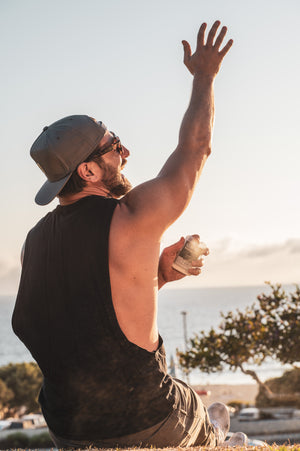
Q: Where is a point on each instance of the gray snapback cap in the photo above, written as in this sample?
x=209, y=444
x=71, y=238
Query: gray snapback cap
x=60, y=148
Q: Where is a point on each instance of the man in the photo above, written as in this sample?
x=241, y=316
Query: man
x=87, y=301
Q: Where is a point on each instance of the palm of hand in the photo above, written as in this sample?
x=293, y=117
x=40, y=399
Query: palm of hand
x=207, y=58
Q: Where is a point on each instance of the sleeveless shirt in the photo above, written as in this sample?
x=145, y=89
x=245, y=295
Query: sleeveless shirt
x=96, y=384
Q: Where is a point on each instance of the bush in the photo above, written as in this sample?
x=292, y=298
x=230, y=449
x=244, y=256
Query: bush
x=41, y=441
x=22, y=383
x=22, y=440
x=6, y=395
x=15, y=440
x=287, y=384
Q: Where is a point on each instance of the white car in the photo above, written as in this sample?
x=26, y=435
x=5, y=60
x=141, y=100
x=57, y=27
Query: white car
x=4, y=424
x=249, y=414
x=37, y=420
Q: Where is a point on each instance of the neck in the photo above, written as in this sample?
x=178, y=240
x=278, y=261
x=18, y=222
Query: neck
x=87, y=191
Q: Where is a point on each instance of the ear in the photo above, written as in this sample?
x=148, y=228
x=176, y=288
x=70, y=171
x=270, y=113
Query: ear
x=90, y=172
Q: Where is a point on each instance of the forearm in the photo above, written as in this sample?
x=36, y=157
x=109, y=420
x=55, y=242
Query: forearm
x=197, y=125
x=186, y=163
x=195, y=134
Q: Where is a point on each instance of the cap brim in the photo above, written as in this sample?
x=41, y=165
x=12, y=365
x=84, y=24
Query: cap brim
x=50, y=190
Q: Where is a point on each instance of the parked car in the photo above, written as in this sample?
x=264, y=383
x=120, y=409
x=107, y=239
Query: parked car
x=6, y=425
x=203, y=392
x=36, y=419
x=296, y=413
x=249, y=414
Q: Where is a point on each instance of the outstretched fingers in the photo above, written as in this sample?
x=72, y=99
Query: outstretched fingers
x=187, y=51
x=225, y=49
x=212, y=33
x=219, y=41
x=207, y=57
x=220, y=38
x=201, y=33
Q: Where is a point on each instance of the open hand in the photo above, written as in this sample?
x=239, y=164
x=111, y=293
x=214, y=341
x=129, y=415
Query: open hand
x=208, y=57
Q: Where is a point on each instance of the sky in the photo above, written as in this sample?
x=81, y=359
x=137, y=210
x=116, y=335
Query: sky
x=120, y=61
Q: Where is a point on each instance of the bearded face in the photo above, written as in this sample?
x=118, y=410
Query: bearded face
x=115, y=182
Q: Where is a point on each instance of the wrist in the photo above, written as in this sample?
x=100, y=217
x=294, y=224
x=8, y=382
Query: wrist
x=160, y=280
x=204, y=78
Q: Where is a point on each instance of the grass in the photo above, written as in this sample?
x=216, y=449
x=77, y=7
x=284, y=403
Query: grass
x=197, y=448
x=20, y=441
x=219, y=448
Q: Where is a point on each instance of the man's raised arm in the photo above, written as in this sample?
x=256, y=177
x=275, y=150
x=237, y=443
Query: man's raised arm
x=159, y=202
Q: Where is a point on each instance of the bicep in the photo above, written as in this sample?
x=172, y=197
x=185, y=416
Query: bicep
x=157, y=203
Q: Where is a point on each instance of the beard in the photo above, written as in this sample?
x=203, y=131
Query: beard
x=115, y=182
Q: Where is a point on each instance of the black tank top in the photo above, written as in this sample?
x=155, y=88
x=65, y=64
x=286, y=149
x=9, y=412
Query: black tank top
x=97, y=384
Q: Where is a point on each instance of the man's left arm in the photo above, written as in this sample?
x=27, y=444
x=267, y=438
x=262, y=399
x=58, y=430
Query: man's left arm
x=165, y=271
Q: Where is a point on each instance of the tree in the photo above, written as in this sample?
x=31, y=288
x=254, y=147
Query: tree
x=6, y=396
x=23, y=382
x=269, y=328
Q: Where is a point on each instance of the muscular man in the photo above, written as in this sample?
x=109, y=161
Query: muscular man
x=87, y=301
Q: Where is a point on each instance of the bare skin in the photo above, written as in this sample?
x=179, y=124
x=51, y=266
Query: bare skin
x=165, y=271
x=145, y=212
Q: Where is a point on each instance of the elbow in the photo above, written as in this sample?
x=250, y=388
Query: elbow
x=208, y=150
x=200, y=146
x=204, y=145
x=202, y=152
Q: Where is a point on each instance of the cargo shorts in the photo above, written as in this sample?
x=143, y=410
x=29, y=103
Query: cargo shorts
x=187, y=425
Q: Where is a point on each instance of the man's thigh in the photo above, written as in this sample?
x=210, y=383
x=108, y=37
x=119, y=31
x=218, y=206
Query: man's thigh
x=193, y=416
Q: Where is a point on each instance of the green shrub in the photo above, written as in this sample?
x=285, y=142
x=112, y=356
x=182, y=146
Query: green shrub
x=20, y=386
x=287, y=384
x=15, y=440
x=41, y=441
x=22, y=440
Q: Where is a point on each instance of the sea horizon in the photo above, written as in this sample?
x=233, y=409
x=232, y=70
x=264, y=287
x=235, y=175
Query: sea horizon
x=169, y=286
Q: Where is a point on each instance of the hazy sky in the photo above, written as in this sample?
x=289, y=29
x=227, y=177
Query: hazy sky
x=120, y=61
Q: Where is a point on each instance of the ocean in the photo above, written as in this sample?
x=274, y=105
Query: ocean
x=202, y=308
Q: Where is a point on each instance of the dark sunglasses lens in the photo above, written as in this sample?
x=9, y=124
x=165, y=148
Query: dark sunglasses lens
x=118, y=146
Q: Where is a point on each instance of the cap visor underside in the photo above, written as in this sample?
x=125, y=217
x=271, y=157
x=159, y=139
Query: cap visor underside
x=50, y=190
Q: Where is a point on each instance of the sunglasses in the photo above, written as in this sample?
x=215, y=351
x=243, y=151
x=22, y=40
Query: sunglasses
x=115, y=145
